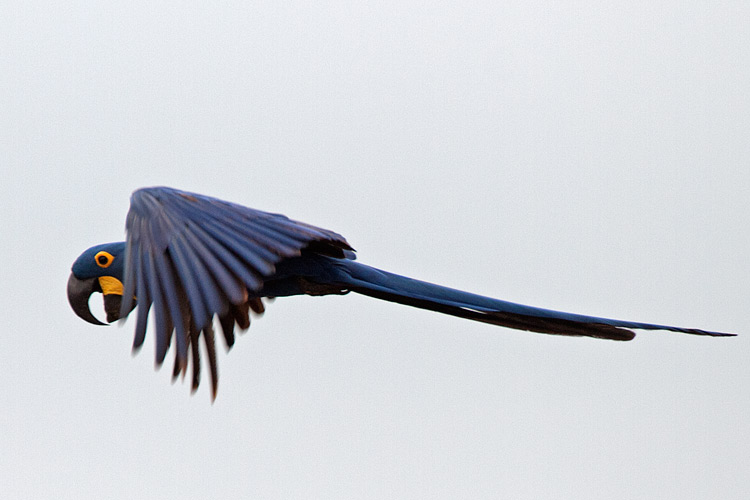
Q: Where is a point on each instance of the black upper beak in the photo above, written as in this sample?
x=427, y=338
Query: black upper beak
x=79, y=292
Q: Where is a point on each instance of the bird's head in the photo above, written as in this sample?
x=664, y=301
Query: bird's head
x=98, y=269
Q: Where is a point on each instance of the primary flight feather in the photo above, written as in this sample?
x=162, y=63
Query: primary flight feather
x=189, y=258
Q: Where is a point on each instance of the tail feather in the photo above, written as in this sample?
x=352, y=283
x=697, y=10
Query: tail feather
x=373, y=282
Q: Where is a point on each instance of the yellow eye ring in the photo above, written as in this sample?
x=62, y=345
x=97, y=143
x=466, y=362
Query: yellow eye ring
x=104, y=259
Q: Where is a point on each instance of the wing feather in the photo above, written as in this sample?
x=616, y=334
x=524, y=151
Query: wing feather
x=193, y=286
x=163, y=323
x=145, y=301
x=170, y=289
x=224, y=256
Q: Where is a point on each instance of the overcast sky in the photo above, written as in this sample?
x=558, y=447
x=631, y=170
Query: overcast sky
x=586, y=156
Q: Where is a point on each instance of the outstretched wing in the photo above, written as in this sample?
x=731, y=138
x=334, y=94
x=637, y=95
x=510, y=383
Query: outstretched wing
x=190, y=257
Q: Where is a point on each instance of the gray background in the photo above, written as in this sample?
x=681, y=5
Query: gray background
x=583, y=156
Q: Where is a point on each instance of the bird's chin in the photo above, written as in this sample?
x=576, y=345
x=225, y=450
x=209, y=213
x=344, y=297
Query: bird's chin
x=112, y=303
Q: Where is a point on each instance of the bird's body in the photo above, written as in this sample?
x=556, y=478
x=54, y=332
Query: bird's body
x=189, y=258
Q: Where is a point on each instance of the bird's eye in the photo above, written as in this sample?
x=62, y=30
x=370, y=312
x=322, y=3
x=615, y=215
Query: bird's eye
x=104, y=259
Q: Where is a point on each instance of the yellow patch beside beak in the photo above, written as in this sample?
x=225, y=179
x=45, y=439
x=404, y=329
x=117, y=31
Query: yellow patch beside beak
x=110, y=285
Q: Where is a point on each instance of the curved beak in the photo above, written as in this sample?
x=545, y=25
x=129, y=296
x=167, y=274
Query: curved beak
x=79, y=292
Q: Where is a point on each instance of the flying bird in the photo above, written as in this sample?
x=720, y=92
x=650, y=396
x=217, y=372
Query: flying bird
x=189, y=258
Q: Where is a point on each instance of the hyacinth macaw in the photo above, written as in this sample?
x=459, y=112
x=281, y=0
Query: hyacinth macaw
x=189, y=257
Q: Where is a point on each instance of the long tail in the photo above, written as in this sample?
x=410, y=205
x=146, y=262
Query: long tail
x=367, y=280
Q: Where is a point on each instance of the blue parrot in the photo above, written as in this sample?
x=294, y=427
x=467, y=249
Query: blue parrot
x=190, y=258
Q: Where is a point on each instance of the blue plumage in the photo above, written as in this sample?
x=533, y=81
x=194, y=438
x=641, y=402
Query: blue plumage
x=189, y=258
